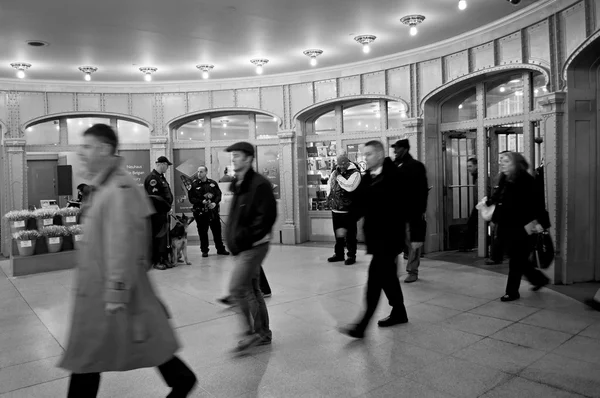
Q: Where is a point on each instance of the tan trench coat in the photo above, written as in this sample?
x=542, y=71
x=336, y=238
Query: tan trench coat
x=112, y=267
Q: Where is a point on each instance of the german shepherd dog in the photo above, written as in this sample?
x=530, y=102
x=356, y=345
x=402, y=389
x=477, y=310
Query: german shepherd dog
x=179, y=239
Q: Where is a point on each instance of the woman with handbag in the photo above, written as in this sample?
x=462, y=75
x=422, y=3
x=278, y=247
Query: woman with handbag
x=516, y=212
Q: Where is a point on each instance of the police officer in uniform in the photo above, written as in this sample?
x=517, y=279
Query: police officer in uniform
x=205, y=196
x=158, y=188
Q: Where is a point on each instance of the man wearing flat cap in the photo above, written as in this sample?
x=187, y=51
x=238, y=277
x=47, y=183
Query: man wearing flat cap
x=251, y=218
x=158, y=189
x=414, y=175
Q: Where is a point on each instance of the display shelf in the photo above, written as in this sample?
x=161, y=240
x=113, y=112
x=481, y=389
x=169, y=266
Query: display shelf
x=321, y=160
x=48, y=262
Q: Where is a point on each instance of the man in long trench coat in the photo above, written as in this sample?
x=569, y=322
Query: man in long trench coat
x=118, y=323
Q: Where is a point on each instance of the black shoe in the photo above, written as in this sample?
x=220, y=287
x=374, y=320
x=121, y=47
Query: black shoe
x=350, y=260
x=593, y=303
x=335, y=259
x=204, y=254
x=535, y=288
x=169, y=264
x=267, y=295
x=223, y=252
x=227, y=300
x=352, y=331
x=508, y=297
x=391, y=321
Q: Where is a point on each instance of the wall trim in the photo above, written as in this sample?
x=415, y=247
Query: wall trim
x=171, y=123
x=578, y=51
x=54, y=116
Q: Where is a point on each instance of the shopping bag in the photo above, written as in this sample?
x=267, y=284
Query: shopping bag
x=487, y=212
x=543, y=250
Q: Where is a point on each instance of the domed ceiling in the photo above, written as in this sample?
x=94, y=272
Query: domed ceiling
x=120, y=36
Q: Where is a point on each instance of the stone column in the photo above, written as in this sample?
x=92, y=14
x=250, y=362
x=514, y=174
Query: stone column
x=15, y=176
x=286, y=175
x=555, y=153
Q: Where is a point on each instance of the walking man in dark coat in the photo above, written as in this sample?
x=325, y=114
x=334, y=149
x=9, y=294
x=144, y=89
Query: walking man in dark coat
x=414, y=180
x=381, y=201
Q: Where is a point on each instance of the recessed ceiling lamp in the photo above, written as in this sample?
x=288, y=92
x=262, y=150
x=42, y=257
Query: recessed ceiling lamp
x=21, y=67
x=502, y=89
x=148, y=71
x=88, y=70
x=224, y=122
x=205, y=68
x=259, y=63
x=462, y=5
x=313, y=54
x=412, y=21
x=366, y=40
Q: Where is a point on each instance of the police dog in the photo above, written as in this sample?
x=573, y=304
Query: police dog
x=179, y=239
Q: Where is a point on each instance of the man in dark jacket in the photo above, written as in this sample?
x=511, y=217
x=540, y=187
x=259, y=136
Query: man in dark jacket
x=414, y=179
x=251, y=219
x=381, y=201
x=158, y=188
x=205, y=197
x=343, y=182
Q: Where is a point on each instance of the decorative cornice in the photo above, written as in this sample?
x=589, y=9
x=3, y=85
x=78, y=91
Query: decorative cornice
x=286, y=135
x=578, y=51
x=159, y=140
x=15, y=142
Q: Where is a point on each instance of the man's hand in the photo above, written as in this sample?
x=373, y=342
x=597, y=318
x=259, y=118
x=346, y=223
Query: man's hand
x=416, y=245
x=341, y=232
x=212, y=206
x=113, y=308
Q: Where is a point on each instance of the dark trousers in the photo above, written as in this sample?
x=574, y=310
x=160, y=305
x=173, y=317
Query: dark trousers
x=159, y=244
x=472, y=226
x=496, y=247
x=383, y=275
x=175, y=373
x=263, y=282
x=203, y=222
x=519, y=246
x=344, y=220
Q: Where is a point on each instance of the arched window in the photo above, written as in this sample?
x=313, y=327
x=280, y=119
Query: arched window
x=325, y=123
x=77, y=125
x=396, y=114
x=225, y=126
x=504, y=96
x=230, y=127
x=539, y=89
x=193, y=130
x=364, y=117
x=45, y=133
x=460, y=107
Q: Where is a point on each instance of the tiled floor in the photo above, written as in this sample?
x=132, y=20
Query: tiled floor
x=460, y=342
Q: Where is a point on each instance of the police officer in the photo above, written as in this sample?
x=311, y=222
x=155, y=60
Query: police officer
x=158, y=188
x=205, y=196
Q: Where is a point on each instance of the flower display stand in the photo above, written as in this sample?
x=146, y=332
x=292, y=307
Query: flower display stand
x=43, y=260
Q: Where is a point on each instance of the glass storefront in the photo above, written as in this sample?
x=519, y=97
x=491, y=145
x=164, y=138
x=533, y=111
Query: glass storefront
x=504, y=96
x=461, y=107
x=365, y=117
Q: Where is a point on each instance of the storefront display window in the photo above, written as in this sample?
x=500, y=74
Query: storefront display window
x=266, y=126
x=325, y=123
x=355, y=154
x=504, y=96
x=539, y=89
x=230, y=127
x=461, y=107
x=76, y=127
x=396, y=114
x=267, y=158
x=185, y=165
x=321, y=158
x=47, y=133
x=365, y=117
x=132, y=133
x=191, y=131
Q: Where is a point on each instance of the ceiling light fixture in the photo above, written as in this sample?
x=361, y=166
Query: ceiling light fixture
x=502, y=89
x=365, y=40
x=313, y=54
x=462, y=5
x=412, y=21
x=21, y=67
x=148, y=71
x=224, y=122
x=259, y=63
x=205, y=68
x=88, y=70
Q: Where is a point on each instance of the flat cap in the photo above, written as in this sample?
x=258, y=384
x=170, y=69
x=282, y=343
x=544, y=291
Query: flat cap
x=242, y=146
x=402, y=144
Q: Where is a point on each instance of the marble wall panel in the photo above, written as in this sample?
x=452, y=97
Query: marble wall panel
x=198, y=101
x=483, y=56
x=456, y=65
x=430, y=77
x=3, y=109
x=301, y=96
x=116, y=103
x=325, y=90
x=223, y=99
x=572, y=28
x=173, y=106
x=510, y=49
x=248, y=98
x=349, y=86
x=31, y=106
x=272, y=100
x=60, y=102
x=374, y=83
x=399, y=83
x=142, y=106
x=89, y=102
x=539, y=43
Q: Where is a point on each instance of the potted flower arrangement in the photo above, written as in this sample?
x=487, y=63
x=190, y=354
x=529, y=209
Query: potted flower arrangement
x=77, y=233
x=18, y=219
x=44, y=217
x=26, y=240
x=54, y=235
x=69, y=215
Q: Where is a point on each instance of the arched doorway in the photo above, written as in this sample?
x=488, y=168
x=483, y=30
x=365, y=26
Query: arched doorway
x=475, y=118
x=583, y=154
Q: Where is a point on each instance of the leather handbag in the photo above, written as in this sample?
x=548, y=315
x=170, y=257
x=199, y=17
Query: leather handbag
x=543, y=250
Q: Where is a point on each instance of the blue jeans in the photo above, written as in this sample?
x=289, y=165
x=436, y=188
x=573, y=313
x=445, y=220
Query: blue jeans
x=245, y=287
